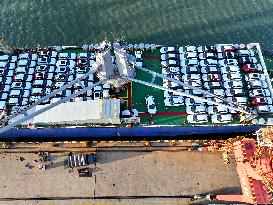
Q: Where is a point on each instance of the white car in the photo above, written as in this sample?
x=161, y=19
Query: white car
x=213, y=99
x=221, y=48
x=255, y=76
x=196, y=109
x=169, y=63
x=203, y=56
x=174, y=70
x=230, y=69
x=201, y=49
x=22, y=63
x=208, y=62
x=169, y=56
x=264, y=109
x=217, y=110
x=82, y=55
x=213, y=85
x=218, y=92
x=190, y=48
x=226, y=118
x=234, y=92
x=227, y=62
x=169, y=84
x=191, y=101
x=259, y=93
x=190, y=70
x=231, y=76
x=4, y=58
x=242, y=53
x=196, y=84
x=203, y=118
x=174, y=101
x=151, y=105
x=105, y=93
x=181, y=49
x=233, y=62
x=167, y=50
x=209, y=69
x=24, y=56
x=191, y=55
x=191, y=77
x=253, y=84
x=189, y=62
x=239, y=100
x=138, y=54
x=233, y=84
x=211, y=77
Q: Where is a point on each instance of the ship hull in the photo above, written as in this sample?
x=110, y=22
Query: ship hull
x=137, y=133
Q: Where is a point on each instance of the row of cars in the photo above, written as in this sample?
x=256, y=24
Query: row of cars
x=232, y=74
x=30, y=76
x=215, y=119
x=206, y=56
x=199, y=49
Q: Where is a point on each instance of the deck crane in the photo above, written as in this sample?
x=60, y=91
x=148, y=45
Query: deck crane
x=117, y=76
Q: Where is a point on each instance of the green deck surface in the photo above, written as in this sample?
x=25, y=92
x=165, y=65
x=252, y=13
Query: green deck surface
x=139, y=92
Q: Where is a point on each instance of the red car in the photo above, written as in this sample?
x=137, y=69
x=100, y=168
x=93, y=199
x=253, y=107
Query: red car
x=252, y=68
x=258, y=101
x=82, y=62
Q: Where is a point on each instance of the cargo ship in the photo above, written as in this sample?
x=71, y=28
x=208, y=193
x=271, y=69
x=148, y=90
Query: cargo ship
x=133, y=91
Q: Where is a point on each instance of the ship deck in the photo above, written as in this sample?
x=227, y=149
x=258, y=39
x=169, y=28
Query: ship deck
x=165, y=115
x=173, y=115
x=134, y=94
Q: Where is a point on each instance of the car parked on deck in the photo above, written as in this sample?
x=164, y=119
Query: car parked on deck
x=151, y=105
x=235, y=92
x=189, y=62
x=210, y=70
x=211, y=77
x=256, y=101
x=197, y=119
x=169, y=56
x=254, y=84
x=259, y=93
x=252, y=68
x=229, y=69
x=247, y=60
x=190, y=70
x=196, y=109
x=233, y=84
x=239, y=100
x=255, y=76
x=231, y=76
x=170, y=63
x=265, y=109
x=219, y=118
x=217, y=110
